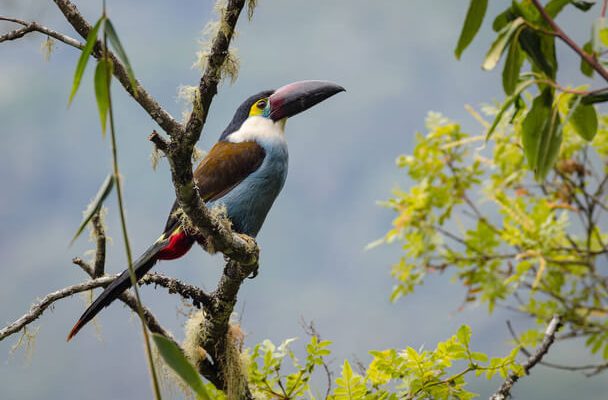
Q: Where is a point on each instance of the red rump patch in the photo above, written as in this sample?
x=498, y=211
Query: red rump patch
x=179, y=244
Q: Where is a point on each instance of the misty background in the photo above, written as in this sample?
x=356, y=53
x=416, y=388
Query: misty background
x=395, y=58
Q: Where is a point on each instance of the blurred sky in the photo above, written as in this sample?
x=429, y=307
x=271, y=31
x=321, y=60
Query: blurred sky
x=396, y=60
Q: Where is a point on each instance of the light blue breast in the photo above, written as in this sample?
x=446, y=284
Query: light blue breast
x=249, y=202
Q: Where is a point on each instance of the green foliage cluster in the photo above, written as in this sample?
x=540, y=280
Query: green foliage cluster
x=392, y=374
x=527, y=35
x=485, y=217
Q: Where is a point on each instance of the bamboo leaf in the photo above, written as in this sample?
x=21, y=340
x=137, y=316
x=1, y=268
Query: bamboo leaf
x=103, y=78
x=95, y=206
x=506, y=105
x=501, y=42
x=175, y=359
x=542, y=134
x=122, y=54
x=472, y=23
x=84, y=58
x=513, y=64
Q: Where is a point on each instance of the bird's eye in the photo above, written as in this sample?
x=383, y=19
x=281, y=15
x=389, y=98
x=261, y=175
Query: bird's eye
x=261, y=104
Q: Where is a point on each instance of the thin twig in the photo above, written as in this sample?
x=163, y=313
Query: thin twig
x=504, y=391
x=38, y=308
x=36, y=27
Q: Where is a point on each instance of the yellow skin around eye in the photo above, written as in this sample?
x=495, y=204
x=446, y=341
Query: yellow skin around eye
x=257, y=108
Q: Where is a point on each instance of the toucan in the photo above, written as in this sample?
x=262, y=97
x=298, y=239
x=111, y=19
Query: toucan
x=243, y=172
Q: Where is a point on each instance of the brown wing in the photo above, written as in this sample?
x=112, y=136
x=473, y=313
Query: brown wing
x=224, y=167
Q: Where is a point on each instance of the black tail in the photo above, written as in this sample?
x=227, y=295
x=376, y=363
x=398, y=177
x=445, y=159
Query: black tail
x=119, y=285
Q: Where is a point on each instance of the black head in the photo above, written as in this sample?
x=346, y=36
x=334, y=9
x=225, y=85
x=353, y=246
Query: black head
x=282, y=103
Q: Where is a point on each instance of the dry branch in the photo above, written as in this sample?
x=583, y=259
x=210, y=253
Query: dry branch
x=504, y=392
x=36, y=27
x=38, y=308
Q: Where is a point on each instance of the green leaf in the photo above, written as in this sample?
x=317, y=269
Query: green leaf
x=95, y=206
x=501, y=42
x=84, y=58
x=554, y=7
x=481, y=357
x=122, y=54
x=175, y=359
x=472, y=23
x=540, y=51
x=542, y=134
x=583, y=5
x=513, y=64
x=595, y=98
x=506, y=105
x=103, y=78
x=503, y=19
x=586, y=68
x=584, y=120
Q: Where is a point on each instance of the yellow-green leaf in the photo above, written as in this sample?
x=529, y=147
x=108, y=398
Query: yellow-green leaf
x=95, y=206
x=501, y=42
x=84, y=58
x=103, y=78
x=175, y=359
x=122, y=54
x=475, y=14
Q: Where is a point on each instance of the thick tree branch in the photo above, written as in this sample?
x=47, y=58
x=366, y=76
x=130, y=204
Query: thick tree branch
x=148, y=103
x=36, y=27
x=504, y=392
x=241, y=251
x=179, y=153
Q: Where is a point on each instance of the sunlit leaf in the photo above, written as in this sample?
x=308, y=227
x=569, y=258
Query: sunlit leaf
x=604, y=36
x=84, y=58
x=122, y=54
x=475, y=14
x=103, y=78
x=95, y=206
x=501, y=42
x=175, y=359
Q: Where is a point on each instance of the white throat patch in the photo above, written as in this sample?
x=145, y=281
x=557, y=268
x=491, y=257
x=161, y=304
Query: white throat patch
x=261, y=130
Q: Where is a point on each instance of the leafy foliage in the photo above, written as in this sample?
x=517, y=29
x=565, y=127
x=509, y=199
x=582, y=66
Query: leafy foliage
x=539, y=243
x=392, y=373
x=529, y=37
